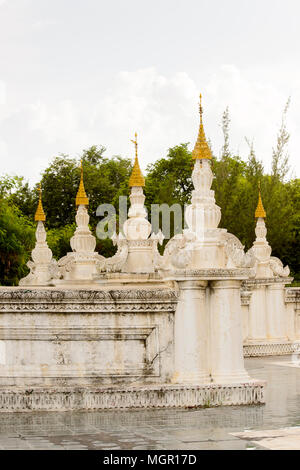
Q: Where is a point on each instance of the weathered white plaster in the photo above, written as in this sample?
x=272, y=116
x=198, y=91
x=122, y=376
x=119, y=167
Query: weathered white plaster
x=2, y=352
x=292, y=302
x=85, y=337
x=70, y=349
x=191, y=334
x=227, y=362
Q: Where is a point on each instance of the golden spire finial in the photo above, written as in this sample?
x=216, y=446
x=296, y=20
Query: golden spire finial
x=201, y=149
x=136, y=178
x=40, y=214
x=200, y=108
x=81, y=198
x=260, y=211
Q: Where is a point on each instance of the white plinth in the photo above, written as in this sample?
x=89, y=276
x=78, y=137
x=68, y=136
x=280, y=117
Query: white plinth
x=191, y=334
x=151, y=396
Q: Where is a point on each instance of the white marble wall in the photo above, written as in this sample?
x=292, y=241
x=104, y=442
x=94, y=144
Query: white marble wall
x=271, y=317
x=69, y=337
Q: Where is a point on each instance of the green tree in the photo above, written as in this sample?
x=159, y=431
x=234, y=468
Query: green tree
x=169, y=179
x=104, y=180
x=18, y=193
x=16, y=243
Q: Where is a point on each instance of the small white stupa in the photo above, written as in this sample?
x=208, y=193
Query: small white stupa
x=267, y=265
x=203, y=245
x=79, y=266
x=208, y=265
x=267, y=321
x=43, y=267
x=137, y=250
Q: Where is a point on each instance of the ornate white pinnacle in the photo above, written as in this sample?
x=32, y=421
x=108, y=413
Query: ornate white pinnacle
x=43, y=266
x=203, y=213
x=82, y=240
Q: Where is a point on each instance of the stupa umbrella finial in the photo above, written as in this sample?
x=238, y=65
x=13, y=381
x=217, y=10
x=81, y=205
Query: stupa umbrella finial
x=260, y=211
x=81, y=197
x=40, y=215
x=136, y=178
x=201, y=150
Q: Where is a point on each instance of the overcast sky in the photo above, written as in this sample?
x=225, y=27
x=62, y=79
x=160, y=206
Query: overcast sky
x=76, y=73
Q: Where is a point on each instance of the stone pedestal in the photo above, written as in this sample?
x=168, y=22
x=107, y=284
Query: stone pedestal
x=140, y=256
x=227, y=363
x=191, y=334
x=137, y=250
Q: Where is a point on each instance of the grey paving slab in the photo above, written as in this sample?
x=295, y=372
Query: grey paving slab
x=209, y=428
x=275, y=439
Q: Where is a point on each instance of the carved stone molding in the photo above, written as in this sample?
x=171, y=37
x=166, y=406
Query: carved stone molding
x=83, y=301
x=292, y=294
x=151, y=396
x=270, y=349
x=84, y=333
x=267, y=281
x=210, y=273
x=7, y=294
x=245, y=297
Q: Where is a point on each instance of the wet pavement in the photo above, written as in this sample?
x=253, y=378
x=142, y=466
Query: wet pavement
x=209, y=428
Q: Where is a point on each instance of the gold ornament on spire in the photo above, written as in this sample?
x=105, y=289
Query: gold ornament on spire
x=136, y=178
x=81, y=198
x=201, y=149
x=260, y=211
x=40, y=214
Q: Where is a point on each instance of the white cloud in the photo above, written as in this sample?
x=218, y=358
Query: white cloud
x=2, y=93
x=158, y=107
x=162, y=109
x=255, y=109
x=42, y=24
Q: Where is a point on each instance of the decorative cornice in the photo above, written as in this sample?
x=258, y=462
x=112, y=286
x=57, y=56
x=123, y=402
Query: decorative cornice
x=268, y=281
x=79, y=301
x=271, y=348
x=207, y=274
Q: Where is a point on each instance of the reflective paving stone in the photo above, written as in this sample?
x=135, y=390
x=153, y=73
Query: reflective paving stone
x=167, y=429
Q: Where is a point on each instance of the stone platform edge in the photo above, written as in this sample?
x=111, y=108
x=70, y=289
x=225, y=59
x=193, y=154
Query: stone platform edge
x=152, y=396
x=263, y=348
